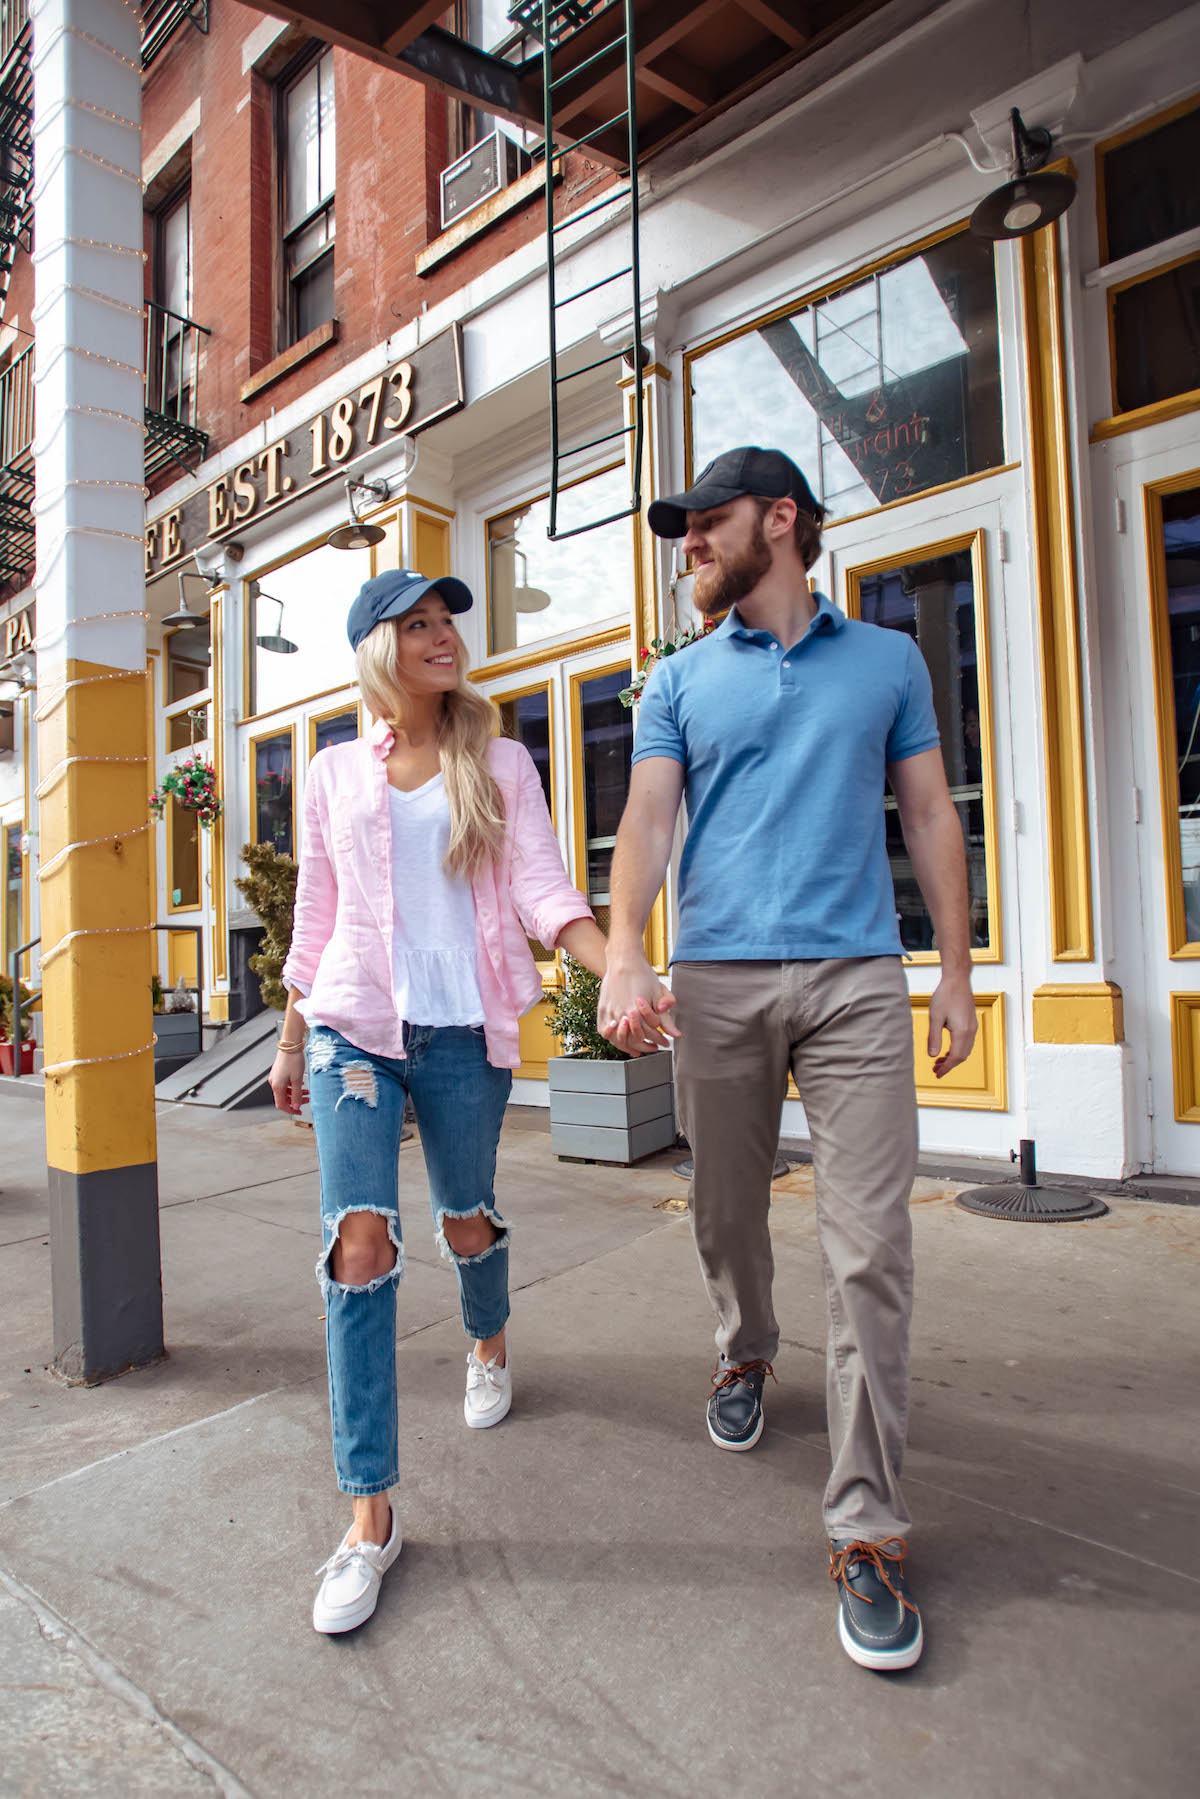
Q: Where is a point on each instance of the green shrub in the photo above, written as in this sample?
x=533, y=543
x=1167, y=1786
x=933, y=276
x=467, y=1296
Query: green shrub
x=573, y=1020
x=6, y=1012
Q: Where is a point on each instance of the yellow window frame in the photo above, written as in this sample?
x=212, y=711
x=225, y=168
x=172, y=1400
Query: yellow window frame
x=1179, y=948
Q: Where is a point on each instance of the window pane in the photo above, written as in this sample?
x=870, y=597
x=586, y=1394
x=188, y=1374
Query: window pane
x=273, y=792
x=1152, y=186
x=12, y=893
x=342, y=728
x=315, y=591
x=539, y=589
x=883, y=390
x=527, y=721
x=327, y=173
x=934, y=603
x=175, y=271
x=301, y=184
x=183, y=731
x=185, y=855
x=1156, y=331
x=607, y=748
x=1181, y=541
x=188, y=662
x=312, y=297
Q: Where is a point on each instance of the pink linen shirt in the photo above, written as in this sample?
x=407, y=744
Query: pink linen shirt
x=341, y=952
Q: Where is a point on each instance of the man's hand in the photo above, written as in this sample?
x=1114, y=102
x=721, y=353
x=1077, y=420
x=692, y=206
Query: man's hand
x=633, y=1009
x=952, y=1008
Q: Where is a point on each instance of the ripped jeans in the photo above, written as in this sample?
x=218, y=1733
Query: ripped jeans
x=358, y=1114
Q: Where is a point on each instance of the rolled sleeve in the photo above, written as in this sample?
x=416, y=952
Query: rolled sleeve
x=541, y=891
x=657, y=732
x=316, y=896
x=915, y=727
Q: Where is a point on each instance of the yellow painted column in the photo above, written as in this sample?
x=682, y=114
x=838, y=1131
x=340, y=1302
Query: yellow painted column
x=95, y=770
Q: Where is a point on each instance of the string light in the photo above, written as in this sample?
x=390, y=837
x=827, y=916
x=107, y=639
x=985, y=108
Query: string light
x=133, y=486
x=84, y=243
x=93, y=355
x=89, y=618
x=122, y=1055
x=87, y=843
x=85, y=37
x=55, y=700
x=107, y=930
x=101, y=112
x=52, y=779
x=92, y=293
x=90, y=156
x=43, y=444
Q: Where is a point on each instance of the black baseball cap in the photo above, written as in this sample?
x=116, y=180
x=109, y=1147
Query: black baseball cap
x=395, y=592
x=728, y=476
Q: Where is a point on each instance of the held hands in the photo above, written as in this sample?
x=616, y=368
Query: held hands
x=633, y=1010
x=951, y=1008
x=287, y=1080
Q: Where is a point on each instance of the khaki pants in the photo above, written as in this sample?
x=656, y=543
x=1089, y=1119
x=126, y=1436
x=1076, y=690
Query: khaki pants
x=844, y=1029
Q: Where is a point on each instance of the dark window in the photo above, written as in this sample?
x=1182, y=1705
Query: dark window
x=607, y=730
x=308, y=157
x=879, y=391
x=1156, y=336
x=1181, y=552
x=341, y=728
x=934, y=603
x=184, y=834
x=1152, y=187
x=171, y=350
x=273, y=792
x=527, y=721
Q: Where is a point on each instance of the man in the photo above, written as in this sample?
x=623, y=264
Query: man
x=781, y=727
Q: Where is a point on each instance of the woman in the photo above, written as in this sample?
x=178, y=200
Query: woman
x=428, y=857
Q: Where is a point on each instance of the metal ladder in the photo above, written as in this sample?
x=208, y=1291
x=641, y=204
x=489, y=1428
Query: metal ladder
x=559, y=19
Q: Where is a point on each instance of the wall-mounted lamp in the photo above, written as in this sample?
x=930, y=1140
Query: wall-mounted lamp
x=1031, y=200
x=356, y=535
x=275, y=641
x=183, y=618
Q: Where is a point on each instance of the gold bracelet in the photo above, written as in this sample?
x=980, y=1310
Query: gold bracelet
x=291, y=1048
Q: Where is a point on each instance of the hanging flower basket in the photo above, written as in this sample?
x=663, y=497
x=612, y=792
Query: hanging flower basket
x=194, y=785
x=678, y=639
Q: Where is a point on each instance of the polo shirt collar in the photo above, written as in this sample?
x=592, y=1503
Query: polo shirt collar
x=826, y=618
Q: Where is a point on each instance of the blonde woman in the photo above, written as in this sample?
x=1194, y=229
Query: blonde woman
x=428, y=859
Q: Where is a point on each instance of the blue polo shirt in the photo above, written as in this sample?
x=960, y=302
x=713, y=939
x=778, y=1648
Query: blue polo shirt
x=784, y=755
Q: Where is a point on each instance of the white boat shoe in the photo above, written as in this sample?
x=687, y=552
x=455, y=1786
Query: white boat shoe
x=353, y=1576
x=489, y=1390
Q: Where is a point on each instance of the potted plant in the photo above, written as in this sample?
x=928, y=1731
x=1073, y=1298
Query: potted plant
x=605, y=1106
x=14, y=1030
x=194, y=784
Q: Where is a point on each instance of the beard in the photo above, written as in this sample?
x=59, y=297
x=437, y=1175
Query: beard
x=724, y=583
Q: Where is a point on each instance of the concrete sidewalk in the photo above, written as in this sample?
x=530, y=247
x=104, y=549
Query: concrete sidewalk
x=592, y=1600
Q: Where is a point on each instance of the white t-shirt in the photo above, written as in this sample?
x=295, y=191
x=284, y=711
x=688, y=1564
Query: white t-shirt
x=433, y=953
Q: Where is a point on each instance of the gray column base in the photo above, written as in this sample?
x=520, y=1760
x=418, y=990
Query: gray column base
x=105, y=1272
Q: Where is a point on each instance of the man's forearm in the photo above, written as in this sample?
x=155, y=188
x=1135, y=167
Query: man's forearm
x=940, y=865
x=639, y=867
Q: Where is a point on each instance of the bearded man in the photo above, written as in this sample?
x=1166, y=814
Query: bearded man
x=781, y=727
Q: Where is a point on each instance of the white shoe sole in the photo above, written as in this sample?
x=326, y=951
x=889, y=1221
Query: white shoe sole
x=883, y=1661
x=475, y=1422
x=724, y=1443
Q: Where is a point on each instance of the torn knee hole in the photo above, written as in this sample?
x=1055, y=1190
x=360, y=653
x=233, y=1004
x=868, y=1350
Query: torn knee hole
x=467, y=1237
x=363, y=1258
x=359, y=1081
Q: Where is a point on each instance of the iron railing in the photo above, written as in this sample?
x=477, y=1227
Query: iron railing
x=162, y=18
x=172, y=406
x=16, y=408
x=14, y=17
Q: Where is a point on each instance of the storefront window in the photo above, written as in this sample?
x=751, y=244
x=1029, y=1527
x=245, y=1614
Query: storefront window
x=183, y=851
x=527, y=720
x=10, y=867
x=933, y=602
x=298, y=642
x=538, y=589
x=880, y=391
x=606, y=737
x=1151, y=186
x=1155, y=339
x=272, y=766
x=1181, y=570
x=189, y=661
x=338, y=727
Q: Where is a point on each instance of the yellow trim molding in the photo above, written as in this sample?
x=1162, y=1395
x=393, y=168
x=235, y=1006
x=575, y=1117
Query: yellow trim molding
x=1144, y=416
x=350, y=705
x=1185, y=1056
x=926, y=552
x=980, y=1083
x=551, y=652
x=1079, y=1012
x=1068, y=830
x=1179, y=947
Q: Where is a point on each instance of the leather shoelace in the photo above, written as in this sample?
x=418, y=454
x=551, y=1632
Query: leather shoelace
x=893, y=1549
x=727, y=1377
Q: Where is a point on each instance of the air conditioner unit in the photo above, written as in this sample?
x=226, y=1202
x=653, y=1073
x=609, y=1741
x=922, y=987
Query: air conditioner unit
x=493, y=162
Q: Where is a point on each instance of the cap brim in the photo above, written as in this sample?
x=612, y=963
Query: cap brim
x=456, y=593
x=668, y=517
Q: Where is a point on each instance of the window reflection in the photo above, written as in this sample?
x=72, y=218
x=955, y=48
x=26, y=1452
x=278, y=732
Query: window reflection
x=341, y=728
x=527, y=720
x=273, y=792
x=882, y=390
x=607, y=733
x=934, y=603
x=1181, y=546
x=538, y=589
x=11, y=869
x=184, y=850
x=316, y=591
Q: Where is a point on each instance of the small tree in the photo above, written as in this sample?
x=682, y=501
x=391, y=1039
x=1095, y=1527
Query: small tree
x=573, y=1019
x=270, y=890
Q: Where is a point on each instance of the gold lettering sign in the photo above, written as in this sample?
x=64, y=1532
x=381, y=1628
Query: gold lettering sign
x=408, y=397
x=18, y=633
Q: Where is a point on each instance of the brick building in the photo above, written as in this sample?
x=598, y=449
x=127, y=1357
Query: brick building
x=346, y=274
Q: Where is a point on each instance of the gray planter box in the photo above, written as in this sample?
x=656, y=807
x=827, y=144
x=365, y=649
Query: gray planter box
x=611, y=1111
x=177, y=1040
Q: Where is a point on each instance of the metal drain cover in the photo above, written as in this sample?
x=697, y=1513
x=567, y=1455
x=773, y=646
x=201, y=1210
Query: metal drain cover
x=1032, y=1205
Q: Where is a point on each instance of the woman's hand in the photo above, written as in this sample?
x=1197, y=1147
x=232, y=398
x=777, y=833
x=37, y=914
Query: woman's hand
x=287, y=1080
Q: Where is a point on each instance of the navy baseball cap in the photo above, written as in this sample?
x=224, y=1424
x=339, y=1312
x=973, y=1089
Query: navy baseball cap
x=393, y=593
x=748, y=470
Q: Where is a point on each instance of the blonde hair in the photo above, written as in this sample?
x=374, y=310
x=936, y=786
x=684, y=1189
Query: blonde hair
x=465, y=730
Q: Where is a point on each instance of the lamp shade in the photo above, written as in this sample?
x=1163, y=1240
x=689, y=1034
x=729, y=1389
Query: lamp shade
x=1023, y=206
x=355, y=537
